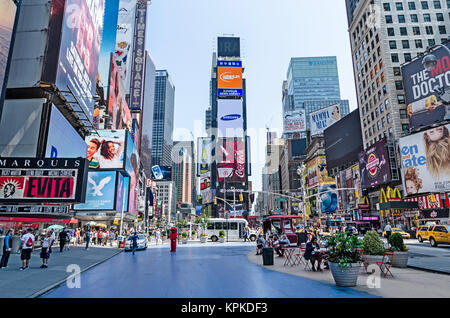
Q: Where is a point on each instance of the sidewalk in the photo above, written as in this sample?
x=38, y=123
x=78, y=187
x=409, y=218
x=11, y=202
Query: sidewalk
x=34, y=281
x=406, y=283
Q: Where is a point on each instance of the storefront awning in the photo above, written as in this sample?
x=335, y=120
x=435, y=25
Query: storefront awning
x=397, y=205
x=36, y=220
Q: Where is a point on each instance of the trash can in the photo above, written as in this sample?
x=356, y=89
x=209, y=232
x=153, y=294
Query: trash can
x=2, y=241
x=267, y=253
x=15, y=244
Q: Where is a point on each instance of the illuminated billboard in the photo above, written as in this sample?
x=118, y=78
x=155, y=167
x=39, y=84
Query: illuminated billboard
x=229, y=78
x=230, y=118
x=231, y=160
x=204, y=155
x=106, y=151
x=119, y=113
x=374, y=165
x=100, y=193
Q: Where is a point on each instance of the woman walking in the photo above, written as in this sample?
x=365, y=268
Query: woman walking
x=45, y=251
x=6, y=249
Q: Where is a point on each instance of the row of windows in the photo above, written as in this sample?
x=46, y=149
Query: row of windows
x=414, y=18
x=416, y=30
x=412, y=5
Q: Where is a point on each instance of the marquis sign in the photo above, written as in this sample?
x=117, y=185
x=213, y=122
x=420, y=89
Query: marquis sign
x=43, y=180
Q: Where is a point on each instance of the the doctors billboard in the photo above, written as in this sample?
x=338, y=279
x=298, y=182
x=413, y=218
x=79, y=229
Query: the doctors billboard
x=428, y=92
x=425, y=160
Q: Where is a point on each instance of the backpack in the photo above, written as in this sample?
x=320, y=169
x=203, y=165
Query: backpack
x=29, y=242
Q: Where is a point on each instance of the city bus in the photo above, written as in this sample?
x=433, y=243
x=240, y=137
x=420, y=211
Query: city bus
x=233, y=228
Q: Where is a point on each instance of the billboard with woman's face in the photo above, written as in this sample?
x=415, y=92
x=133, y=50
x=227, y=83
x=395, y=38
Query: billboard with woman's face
x=425, y=159
x=106, y=151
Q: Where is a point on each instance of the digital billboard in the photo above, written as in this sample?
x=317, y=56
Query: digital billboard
x=124, y=39
x=374, y=165
x=230, y=119
x=81, y=37
x=343, y=141
x=428, y=92
x=132, y=168
x=295, y=121
x=229, y=78
x=100, y=192
x=106, y=151
x=62, y=139
x=231, y=160
x=324, y=118
x=108, y=40
x=425, y=158
x=328, y=197
x=122, y=193
x=228, y=47
x=118, y=111
x=42, y=180
x=317, y=172
x=162, y=173
x=204, y=155
x=8, y=10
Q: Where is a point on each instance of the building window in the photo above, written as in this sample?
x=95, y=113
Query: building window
x=399, y=85
x=414, y=18
x=389, y=19
x=391, y=32
x=399, y=6
x=405, y=44
x=405, y=128
x=407, y=57
x=419, y=44
x=393, y=45
x=394, y=58
x=401, y=99
x=403, y=31
x=440, y=17
x=431, y=42
x=412, y=5
x=426, y=17
x=424, y=5
x=388, y=118
x=442, y=29
x=390, y=132
x=403, y=114
x=387, y=7
x=416, y=30
x=397, y=71
x=401, y=19
x=429, y=29
x=437, y=4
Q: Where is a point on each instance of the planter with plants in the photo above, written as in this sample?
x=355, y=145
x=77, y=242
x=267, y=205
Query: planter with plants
x=193, y=234
x=344, y=259
x=222, y=236
x=373, y=248
x=203, y=222
x=401, y=252
x=184, y=237
x=203, y=238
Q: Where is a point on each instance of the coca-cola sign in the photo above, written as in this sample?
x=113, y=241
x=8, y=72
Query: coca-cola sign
x=231, y=160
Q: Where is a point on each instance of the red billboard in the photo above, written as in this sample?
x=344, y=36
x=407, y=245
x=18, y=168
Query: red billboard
x=231, y=160
x=374, y=165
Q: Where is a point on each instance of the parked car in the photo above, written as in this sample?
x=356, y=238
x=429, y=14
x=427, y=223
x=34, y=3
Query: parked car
x=141, y=243
x=438, y=234
x=422, y=232
x=397, y=230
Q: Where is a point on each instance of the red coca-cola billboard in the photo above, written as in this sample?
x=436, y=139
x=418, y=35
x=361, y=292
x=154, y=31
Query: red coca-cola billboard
x=231, y=160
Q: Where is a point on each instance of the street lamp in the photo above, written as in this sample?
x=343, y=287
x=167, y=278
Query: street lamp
x=300, y=171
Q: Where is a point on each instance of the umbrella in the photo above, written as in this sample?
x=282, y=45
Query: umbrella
x=101, y=225
x=55, y=227
x=92, y=223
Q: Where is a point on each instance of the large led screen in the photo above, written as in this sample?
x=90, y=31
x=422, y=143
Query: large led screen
x=106, y=151
x=230, y=118
x=100, y=192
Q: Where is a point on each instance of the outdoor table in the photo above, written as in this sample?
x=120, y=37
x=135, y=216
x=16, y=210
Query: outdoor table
x=289, y=254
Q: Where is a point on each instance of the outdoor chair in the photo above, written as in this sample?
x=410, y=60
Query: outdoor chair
x=305, y=261
x=361, y=253
x=386, y=263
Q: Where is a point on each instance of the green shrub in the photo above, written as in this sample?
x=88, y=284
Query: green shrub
x=184, y=235
x=193, y=232
x=396, y=241
x=343, y=249
x=372, y=244
x=221, y=233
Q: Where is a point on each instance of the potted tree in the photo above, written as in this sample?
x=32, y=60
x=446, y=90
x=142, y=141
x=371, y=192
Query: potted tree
x=184, y=236
x=222, y=236
x=203, y=222
x=401, y=252
x=373, y=248
x=344, y=258
x=193, y=234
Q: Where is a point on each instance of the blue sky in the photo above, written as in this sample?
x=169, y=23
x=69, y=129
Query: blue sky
x=182, y=34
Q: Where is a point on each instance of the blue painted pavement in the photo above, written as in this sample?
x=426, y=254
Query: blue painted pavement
x=194, y=272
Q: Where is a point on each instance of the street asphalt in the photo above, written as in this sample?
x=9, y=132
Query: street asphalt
x=210, y=270
x=34, y=281
x=423, y=256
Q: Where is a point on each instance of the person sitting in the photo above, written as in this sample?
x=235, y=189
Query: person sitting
x=311, y=254
x=260, y=244
x=283, y=242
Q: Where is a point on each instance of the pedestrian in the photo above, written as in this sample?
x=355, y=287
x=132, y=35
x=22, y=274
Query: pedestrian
x=62, y=239
x=157, y=235
x=173, y=239
x=27, y=247
x=6, y=249
x=134, y=239
x=245, y=234
x=99, y=237
x=388, y=230
x=77, y=237
x=111, y=237
x=45, y=251
x=68, y=240
x=87, y=238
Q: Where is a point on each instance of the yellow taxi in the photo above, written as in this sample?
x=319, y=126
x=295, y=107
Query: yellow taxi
x=439, y=234
x=422, y=232
x=397, y=230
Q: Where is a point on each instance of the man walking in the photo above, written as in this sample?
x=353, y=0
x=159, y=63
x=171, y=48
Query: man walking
x=27, y=247
x=6, y=249
x=62, y=239
x=134, y=239
x=88, y=238
x=388, y=230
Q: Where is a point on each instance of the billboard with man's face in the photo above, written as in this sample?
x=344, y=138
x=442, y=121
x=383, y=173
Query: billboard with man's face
x=428, y=92
x=425, y=158
x=81, y=37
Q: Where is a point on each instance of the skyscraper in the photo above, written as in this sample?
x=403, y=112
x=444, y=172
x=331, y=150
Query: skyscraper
x=163, y=118
x=312, y=84
x=384, y=35
x=183, y=171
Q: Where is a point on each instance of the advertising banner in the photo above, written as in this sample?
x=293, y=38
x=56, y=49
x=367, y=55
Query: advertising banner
x=100, y=193
x=425, y=161
x=230, y=118
x=356, y=176
x=228, y=47
x=204, y=155
x=108, y=40
x=374, y=165
x=295, y=121
x=447, y=200
x=328, y=198
x=118, y=111
x=324, y=118
x=81, y=37
x=313, y=178
x=162, y=173
x=428, y=92
x=231, y=160
x=434, y=214
x=124, y=39
x=8, y=11
x=432, y=201
x=229, y=79
x=63, y=140
x=137, y=69
x=107, y=150
x=45, y=180
x=132, y=168
x=122, y=193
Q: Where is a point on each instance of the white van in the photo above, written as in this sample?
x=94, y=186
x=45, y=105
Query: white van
x=233, y=228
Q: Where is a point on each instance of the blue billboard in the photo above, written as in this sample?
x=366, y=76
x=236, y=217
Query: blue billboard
x=100, y=191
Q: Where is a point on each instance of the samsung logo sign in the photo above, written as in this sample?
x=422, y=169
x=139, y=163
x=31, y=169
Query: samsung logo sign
x=230, y=117
x=321, y=62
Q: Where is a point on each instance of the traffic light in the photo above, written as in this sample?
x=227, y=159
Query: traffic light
x=215, y=201
x=241, y=197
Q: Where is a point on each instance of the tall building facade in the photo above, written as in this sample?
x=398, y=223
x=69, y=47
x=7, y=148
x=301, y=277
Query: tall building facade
x=183, y=171
x=384, y=34
x=163, y=118
x=312, y=84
